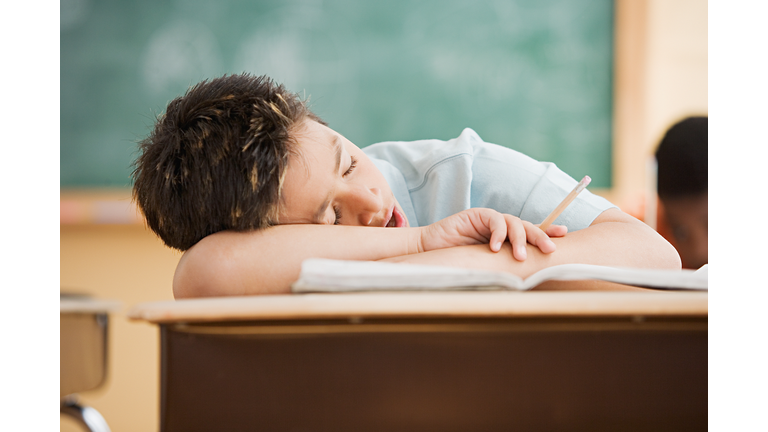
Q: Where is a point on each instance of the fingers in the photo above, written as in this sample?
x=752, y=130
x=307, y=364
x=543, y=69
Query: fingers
x=498, y=227
x=517, y=234
x=521, y=233
x=557, y=230
x=540, y=239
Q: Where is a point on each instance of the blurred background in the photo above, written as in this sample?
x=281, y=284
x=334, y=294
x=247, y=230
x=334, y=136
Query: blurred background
x=591, y=85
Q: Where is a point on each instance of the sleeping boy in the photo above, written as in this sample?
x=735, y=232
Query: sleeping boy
x=240, y=175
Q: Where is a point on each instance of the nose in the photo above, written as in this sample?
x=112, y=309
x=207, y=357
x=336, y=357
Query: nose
x=360, y=205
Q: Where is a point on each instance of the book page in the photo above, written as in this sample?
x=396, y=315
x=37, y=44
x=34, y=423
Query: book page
x=338, y=275
x=649, y=278
x=324, y=275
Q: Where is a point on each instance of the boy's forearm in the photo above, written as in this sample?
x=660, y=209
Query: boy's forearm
x=475, y=257
x=614, y=239
x=268, y=261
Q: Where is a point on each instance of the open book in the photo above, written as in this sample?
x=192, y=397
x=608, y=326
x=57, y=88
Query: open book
x=323, y=275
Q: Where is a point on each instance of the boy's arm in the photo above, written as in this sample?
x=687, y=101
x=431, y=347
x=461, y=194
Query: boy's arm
x=613, y=239
x=268, y=261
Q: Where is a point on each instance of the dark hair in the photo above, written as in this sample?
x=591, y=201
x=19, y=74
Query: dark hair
x=216, y=159
x=682, y=159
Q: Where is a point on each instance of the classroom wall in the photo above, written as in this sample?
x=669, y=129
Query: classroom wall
x=661, y=77
x=665, y=78
x=130, y=264
x=677, y=64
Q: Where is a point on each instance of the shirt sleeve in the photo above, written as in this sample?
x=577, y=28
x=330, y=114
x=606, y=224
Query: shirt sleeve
x=511, y=182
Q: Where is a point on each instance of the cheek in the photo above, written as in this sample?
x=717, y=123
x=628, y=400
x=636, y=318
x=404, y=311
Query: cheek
x=373, y=176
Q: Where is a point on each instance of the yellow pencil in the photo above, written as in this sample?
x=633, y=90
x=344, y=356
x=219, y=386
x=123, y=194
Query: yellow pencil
x=567, y=201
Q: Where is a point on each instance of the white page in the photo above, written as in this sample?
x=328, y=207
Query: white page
x=338, y=275
x=653, y=278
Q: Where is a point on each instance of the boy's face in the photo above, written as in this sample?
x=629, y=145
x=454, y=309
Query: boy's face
x=331, y=181
x=688, y=221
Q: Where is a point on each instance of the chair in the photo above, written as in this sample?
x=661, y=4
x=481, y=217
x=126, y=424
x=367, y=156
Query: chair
x=83, y=351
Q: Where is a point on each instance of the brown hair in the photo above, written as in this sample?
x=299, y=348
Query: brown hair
x=216, y=159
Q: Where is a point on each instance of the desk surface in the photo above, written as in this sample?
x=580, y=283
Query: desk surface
x=420, y=304
x=74, y=304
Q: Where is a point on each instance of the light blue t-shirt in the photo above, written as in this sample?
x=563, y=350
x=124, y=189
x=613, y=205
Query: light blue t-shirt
x=433, y=179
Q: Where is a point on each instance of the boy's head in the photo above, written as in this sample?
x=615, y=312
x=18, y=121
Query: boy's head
x=331, y=181
x=217, y=158
x=682, y=188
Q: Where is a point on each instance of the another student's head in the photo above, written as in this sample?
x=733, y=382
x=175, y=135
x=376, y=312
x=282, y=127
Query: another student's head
x=682, y=188
x=243, y=153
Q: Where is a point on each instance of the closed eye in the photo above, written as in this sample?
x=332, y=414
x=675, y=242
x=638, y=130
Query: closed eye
x=352, y=166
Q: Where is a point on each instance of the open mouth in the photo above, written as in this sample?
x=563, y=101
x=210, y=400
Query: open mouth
x=396, y=219
x=392, y=221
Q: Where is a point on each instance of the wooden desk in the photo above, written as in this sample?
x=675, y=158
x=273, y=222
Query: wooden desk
x=434, y=361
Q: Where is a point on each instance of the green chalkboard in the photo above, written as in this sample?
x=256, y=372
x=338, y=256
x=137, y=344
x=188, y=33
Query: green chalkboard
x=535, y=76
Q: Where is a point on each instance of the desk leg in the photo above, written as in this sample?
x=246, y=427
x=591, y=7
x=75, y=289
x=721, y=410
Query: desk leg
x=85, y=415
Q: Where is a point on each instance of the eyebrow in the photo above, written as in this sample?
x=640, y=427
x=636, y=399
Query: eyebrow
x=317, y=218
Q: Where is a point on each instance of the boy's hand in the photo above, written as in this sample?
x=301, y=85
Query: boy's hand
x=478, y=225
